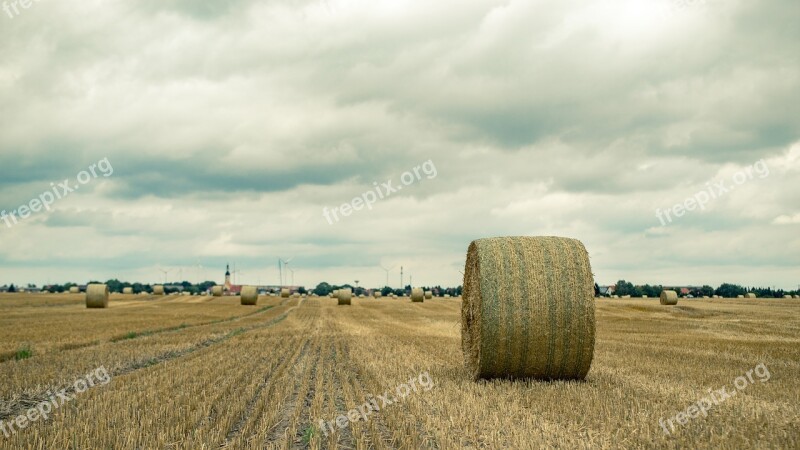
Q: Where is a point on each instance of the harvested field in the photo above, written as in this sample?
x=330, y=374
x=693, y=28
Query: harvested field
x=245, y=378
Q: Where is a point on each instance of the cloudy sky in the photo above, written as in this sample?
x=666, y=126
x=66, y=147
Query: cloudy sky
x=219, y=131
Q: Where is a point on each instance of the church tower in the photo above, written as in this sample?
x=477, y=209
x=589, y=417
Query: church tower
x=227, y=286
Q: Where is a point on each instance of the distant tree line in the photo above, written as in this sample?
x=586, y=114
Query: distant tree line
x=324, y=289
x=727, y=290
x=117, y=286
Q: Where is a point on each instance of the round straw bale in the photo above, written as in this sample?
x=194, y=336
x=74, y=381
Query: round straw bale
x=787, y=296
x=626, y=296
x=97, y=296
x=750, y=295
x=669, y=297
x=644, y=296
x=74, y=290
x=740, y=296
x=127, y=290
x=158, y=290
x=428, y=295
x=377, y=294
x=446, y=295
x=216, y=291
x=249, y=295
x=417, y=295
x=285, y=293
x=344, y=296
x=296, y=295
x=528, y=308
x=394, y=295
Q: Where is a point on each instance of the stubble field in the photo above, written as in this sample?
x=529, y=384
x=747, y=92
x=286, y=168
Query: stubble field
x=203, y=372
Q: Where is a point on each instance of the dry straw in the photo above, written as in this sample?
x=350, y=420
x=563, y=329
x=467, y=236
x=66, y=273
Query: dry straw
x=428, y=295
x=97, y=296
x=344, y=296
x=74, y=290
x=127, y=290
x=216, y=291
x=158, y=290
x=528, y=308
x=285, y=293
x=417, y=295
x=750, y=295
x=669, y=297
x=249, y=295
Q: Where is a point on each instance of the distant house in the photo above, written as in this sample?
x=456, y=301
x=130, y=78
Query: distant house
x=607, y=290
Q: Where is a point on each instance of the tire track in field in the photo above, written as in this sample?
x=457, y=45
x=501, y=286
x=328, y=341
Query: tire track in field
x=290, y=408
x=268, y=380
x=379, y=426
x=20, y=405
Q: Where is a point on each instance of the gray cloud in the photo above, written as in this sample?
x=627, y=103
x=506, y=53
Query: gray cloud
x=231, y=125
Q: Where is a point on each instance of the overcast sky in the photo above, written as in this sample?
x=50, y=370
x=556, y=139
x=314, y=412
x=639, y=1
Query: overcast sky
x=231, y=125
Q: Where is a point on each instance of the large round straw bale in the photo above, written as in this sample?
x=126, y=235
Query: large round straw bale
x=97, y=296
x=669, y=297
x=528, y=308
x=750, y=295
x=417, y=295
x=787, y=296
x=796, y=296
x=394, y=295
x=626, y=296
x=377, y=294
x=296, y=295
x=740, y=296
x=74, y=290
x=285, y=293
x=428, y=295
x=344, y=296
x=446, y=295
x=249, y=295
x=158, y=290
x=216, y=291
x=127, y=290
x=644, y=296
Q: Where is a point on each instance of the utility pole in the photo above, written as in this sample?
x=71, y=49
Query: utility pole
x=401, y=277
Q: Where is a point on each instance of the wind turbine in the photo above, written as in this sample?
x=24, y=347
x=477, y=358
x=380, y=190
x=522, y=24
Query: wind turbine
x=165, y=274
x=285, y=265
x=387, y=273
x=292, y=271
